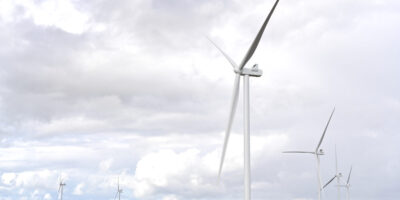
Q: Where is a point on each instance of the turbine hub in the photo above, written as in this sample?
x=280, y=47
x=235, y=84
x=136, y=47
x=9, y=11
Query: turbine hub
x=255, y=67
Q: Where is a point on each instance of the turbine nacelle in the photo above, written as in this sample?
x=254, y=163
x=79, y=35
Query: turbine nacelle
x=320, y=152
x=254, y=71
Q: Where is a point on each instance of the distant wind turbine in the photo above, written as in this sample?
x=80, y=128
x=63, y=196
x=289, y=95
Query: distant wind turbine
x=119, y=191
x=317, y=152
x=61, y=189
x=246, y=73
x=337, y=176
x=347, y=185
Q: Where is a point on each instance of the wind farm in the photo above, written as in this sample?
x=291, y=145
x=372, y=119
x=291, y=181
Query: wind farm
x=199, y=100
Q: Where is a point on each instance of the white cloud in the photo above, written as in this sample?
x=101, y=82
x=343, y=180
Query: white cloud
x=6, y=10
x=78, y=189
x=132, y=89
x=35, y=195
x=169, y=197
x=47, y=196
x=29, y=179
x=8, y=178
x=59, y=13
x=105, y=164
x=158, y=169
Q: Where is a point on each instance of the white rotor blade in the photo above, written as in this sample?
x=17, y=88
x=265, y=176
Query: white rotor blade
x=336, y=160
x=116, y=194
x=231, y=116
x=298, y=152
x=323, y=134
x=59, y=186
x=329, y=182
x=348, y=178
x=234, y=65
x=254, y=45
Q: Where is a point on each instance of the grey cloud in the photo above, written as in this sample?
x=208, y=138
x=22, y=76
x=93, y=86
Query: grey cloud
x=145, y=83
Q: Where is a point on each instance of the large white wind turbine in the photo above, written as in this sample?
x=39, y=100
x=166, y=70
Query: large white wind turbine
x=317, y=152
x=246, y=73
x=119, y=191
x=337, y=176
x=61, y=189
x=347, y=185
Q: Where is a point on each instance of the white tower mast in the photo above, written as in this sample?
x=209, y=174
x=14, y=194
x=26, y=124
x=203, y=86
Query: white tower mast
x=246, y=73
x=119, y=191
x=337, y=176
x=61, y=189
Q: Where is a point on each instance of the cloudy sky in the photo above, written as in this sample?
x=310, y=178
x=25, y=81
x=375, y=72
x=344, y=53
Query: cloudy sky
x=95, y=90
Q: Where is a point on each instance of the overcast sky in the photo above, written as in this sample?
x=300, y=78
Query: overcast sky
x=95, y=90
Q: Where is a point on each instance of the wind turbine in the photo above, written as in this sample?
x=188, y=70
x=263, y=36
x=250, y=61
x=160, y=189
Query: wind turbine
x=61, y=189
x=246, y=73
x=119, y=191
x=347, y=185
x=338, y=175
x=317, y=152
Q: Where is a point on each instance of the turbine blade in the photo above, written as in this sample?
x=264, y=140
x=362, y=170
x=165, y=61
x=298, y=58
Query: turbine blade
x=323, y=134
x=234, y=65
x=336, y=160
x=116, y=194
x=254, y=45
x=59, y=185
x=231, y=116
x=329, y=182
x=348, y=178
x=298, y=152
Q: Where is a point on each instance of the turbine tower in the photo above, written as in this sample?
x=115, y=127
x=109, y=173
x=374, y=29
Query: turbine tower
x=338, y=175
x=347, y=185
x=246, y=73
x=317, y=152
x=119, y=191
x=61, y=189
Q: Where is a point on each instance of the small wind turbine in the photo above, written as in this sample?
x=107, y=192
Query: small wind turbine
x=119, y=191
x=61, y=189
x=318, y=152
x=338, y=175
x=347, y=185
x=246, y=73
